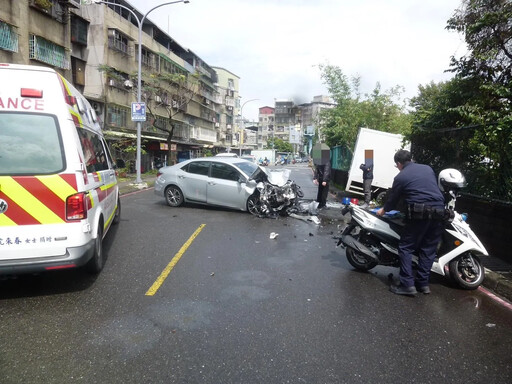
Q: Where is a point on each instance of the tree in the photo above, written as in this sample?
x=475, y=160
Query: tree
x=169, y=93
x=164, y=94
x=279, y=145
x=477, y=102
x=438, y=134
x=378, y=110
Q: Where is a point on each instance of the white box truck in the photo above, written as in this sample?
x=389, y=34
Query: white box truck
x=381, y=147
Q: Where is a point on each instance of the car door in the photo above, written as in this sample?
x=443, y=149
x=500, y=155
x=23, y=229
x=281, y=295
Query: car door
x=224, y=188
x=100, y=173
x=193, y=180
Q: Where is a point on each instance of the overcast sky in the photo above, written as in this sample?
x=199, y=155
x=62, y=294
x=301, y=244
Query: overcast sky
x=275, y=46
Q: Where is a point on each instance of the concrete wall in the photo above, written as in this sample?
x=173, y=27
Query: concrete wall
x=491, y=223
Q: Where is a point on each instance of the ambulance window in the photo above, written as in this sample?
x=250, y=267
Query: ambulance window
x=30, y=144
x=107, y=151
x=94, y=152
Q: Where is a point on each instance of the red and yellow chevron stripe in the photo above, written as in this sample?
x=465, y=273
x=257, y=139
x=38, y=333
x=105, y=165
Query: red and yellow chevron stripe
x=36, y=199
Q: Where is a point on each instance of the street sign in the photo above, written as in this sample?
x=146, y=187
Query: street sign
x=138, y=111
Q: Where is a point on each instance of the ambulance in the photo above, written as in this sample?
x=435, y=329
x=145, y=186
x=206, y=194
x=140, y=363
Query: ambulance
x=58, y=189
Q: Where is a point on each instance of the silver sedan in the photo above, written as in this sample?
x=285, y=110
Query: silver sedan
x=221, y=181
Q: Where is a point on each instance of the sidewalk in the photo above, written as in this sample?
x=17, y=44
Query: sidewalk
x=499, y=282
x=127, y=184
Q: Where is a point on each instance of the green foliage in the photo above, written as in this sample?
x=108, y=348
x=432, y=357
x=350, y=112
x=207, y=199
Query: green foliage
x=378, y=110
x=165, y=94
x=279, y=145
x=466, y=123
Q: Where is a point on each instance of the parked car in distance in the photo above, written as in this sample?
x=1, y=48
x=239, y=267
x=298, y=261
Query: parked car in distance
x=226, y=154
x=220, y=181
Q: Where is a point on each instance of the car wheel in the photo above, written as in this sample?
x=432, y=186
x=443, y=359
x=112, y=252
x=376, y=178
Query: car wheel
x=254, y=205
x=95, y=265
x=173, y=196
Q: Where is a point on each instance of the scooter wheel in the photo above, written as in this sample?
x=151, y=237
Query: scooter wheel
x=359, y=261
x=467, y=271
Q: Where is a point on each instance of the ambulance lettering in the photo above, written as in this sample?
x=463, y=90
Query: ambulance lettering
x=17, y=240
x=26, y=104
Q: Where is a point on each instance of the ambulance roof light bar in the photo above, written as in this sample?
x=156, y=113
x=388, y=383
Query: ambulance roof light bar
x=30, y=92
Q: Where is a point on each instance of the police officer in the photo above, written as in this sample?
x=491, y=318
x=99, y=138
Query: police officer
x=367, y=168
x=417, y=185
x=321, y=177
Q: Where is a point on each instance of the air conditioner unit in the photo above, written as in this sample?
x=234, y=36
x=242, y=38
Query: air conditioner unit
x=128, y=84
x=158, y=99
x=112, y=83
x=230, y=108
x=207, y=102
x=217, y=125
x=97, y=108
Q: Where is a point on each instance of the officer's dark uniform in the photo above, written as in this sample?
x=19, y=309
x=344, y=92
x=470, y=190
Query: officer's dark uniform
x=417, y=185
x=322, y=174
x=367, y=169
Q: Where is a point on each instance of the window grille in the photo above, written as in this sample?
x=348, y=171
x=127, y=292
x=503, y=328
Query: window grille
x=79, y=31
x=47, y=52
x=117, y=116
x=118, y=42
x=8, y=37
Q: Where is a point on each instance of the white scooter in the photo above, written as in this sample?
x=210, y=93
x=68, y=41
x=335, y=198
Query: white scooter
x=371, y=240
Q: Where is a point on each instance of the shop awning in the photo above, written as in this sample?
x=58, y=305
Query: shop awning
x=132, y=135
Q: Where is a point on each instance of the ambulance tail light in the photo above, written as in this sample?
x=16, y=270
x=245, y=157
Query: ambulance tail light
x=30, y=92
x=76, y=207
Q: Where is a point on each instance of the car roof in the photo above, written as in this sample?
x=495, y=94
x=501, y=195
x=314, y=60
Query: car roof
x=219, y=159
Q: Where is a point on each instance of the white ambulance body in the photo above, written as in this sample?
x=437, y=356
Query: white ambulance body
x=58, y=187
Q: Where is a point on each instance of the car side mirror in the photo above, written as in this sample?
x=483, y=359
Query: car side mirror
x=251, y=183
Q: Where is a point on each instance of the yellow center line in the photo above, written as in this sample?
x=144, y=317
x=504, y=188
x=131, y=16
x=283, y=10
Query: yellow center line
x=158, y=282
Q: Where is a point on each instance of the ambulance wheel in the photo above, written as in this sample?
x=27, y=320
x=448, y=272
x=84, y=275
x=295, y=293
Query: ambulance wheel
x=95, y=265
x=117, y=216
x=174, y=196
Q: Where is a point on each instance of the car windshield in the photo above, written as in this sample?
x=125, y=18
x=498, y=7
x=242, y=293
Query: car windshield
x=247, y=167
x=30, y=144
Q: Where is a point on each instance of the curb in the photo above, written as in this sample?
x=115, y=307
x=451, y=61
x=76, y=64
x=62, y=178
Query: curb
x=129, y=186
x=498, y=284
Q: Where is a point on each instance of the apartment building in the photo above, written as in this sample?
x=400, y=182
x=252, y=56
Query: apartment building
x=95, y=46
x=266, y=120
x=286, y=116
x=311, y=113
x=229, y=100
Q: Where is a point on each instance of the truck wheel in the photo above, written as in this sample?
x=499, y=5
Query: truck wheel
x=380, y=198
